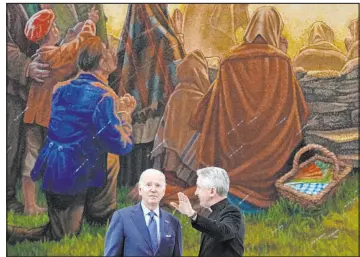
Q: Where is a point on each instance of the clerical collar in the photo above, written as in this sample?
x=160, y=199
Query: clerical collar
x=219, y=205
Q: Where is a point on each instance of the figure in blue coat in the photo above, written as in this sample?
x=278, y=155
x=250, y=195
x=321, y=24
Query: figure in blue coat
x=88, y=120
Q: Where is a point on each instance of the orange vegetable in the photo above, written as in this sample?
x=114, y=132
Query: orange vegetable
x=310, y=171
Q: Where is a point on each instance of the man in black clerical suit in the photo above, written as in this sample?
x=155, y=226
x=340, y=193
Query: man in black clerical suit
x=223, y=231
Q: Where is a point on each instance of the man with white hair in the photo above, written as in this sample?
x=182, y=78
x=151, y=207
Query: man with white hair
x=145, y=229
x=223, y=231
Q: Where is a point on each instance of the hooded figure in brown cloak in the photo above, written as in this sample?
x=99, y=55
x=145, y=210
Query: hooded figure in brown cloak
x=252, y=117
x=352, y=42
x=175, y=143
x=321, y=53
x=352, y=46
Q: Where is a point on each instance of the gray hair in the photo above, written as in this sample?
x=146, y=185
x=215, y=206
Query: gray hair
x=154, y=171
x=215, y=177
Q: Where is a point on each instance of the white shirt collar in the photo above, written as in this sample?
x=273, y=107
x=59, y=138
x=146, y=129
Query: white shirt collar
x=146, y=210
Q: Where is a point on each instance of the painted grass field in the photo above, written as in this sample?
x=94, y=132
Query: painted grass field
x=284, y=230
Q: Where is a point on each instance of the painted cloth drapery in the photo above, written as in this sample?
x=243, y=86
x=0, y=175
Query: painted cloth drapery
x=147, y=56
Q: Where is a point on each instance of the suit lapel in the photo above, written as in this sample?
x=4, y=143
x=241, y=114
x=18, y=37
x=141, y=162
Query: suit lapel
x=139, y=220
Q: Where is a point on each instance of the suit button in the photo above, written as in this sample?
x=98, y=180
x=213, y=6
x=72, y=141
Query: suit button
x=60, y=148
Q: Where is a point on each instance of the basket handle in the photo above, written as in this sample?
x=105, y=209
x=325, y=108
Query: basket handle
x=320, y=148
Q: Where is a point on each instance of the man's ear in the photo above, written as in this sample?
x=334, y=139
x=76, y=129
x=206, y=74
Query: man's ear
x=213, y=191
x=101, y=62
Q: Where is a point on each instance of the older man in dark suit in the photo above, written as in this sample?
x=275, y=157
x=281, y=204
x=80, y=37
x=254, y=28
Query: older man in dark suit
x=223, y=231
x=145, y=229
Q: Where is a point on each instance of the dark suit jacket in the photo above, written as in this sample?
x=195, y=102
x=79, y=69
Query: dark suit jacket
x=128, y=234
x=223, y=232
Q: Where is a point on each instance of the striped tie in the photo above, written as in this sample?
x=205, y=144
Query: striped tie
x=153, y=231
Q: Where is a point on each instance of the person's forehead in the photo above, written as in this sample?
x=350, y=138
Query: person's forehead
x=150, y=177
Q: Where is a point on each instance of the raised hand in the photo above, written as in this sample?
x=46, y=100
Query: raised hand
x=184, y=205
x=93, y=14
x=177, y=20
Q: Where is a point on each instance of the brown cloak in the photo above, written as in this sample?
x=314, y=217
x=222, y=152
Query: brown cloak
x=252, y=117
x=174, y=134
x=321, y=53
x=251, y=120
x=354, y=31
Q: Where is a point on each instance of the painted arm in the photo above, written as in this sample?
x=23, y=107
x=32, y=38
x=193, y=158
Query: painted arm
x=67, y=53
x=101, y=31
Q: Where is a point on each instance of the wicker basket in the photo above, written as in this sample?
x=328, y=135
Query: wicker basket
x=313, y=201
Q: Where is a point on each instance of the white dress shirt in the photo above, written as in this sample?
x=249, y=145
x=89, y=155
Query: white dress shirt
x=156, y=217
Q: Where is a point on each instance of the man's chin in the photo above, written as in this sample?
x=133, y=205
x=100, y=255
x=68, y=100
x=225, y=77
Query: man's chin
x=203, y=205
x=153, y=200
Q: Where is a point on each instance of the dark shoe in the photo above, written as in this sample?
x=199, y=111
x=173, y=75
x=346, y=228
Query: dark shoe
x=9, y=233
x=14, y=234
x=15, y=205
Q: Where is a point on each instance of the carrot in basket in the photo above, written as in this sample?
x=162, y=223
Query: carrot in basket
x=310, y=171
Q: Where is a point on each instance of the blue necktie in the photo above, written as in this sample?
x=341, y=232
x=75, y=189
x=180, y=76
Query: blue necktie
x=153, y=231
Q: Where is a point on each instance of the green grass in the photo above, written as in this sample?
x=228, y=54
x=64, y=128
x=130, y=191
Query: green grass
x=284, y=230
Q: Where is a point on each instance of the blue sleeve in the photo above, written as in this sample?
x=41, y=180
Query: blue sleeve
x=114, y=238
x=178, y=241
x=107, y=125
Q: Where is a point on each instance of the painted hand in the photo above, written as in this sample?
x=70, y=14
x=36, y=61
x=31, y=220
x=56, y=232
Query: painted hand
x=93, y=15
x=38, y=71
x=130, y=103
x=126, y=105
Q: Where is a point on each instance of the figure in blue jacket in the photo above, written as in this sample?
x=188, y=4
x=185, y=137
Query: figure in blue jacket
x=88, y=120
